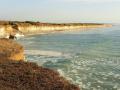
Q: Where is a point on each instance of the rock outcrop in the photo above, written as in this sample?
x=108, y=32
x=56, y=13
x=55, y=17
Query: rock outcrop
x=10, y=50
x=7, y=30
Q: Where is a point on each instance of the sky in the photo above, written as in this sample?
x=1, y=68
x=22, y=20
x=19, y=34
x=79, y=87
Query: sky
x=58, y=11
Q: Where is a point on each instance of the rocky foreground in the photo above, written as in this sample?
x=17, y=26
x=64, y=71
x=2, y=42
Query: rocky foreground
x=27, y=27
x=16, y=74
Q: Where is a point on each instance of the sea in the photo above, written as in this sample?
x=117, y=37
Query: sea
x=88, y=58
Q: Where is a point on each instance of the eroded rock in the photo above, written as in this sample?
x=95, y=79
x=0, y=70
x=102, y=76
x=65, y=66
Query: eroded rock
x=10, y=50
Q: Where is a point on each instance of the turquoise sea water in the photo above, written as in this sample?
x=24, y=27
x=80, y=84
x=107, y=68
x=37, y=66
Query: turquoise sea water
x=90, y=59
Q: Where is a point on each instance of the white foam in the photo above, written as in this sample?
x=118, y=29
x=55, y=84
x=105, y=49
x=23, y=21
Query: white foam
x=19, y=35
x=61, y=72
x=46, y=53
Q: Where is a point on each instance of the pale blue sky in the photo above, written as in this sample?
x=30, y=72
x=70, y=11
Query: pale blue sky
x=107, y=11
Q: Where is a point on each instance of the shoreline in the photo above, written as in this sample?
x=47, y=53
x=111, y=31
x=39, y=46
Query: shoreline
x=18, y=74
x=28, y=29
x=17, y=28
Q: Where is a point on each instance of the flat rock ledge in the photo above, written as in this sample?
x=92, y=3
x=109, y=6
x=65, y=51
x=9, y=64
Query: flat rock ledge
x=20, y=75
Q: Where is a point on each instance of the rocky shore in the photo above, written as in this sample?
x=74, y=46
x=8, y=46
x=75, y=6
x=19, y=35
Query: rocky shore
x=25, y=28
x=16, y=74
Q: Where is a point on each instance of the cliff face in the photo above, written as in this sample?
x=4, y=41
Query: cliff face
x=31, y=29
x=35, y=29
x=10, y=50
x=2, y=32
x=8, y=28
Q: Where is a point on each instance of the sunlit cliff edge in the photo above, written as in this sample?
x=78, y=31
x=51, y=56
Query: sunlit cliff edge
x=28, y=27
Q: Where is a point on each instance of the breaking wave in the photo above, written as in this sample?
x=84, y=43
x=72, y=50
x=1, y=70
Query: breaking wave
x=47, y=53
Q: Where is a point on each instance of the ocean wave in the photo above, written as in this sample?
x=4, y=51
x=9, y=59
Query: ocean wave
x=47, y=53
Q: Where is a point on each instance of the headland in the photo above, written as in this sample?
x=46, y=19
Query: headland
x=17, y=28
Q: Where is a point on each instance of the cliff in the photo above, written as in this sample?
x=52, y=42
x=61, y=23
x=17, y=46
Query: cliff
x=33, y=28
x=30, y=76
x=28, y=27
x=7, y=30
x=10, y=50
x=15, y=74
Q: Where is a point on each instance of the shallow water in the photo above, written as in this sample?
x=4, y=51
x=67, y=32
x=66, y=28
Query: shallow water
x=90, y=59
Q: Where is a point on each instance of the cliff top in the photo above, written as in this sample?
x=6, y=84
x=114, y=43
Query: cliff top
x=30, y=76
x=42, y=23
